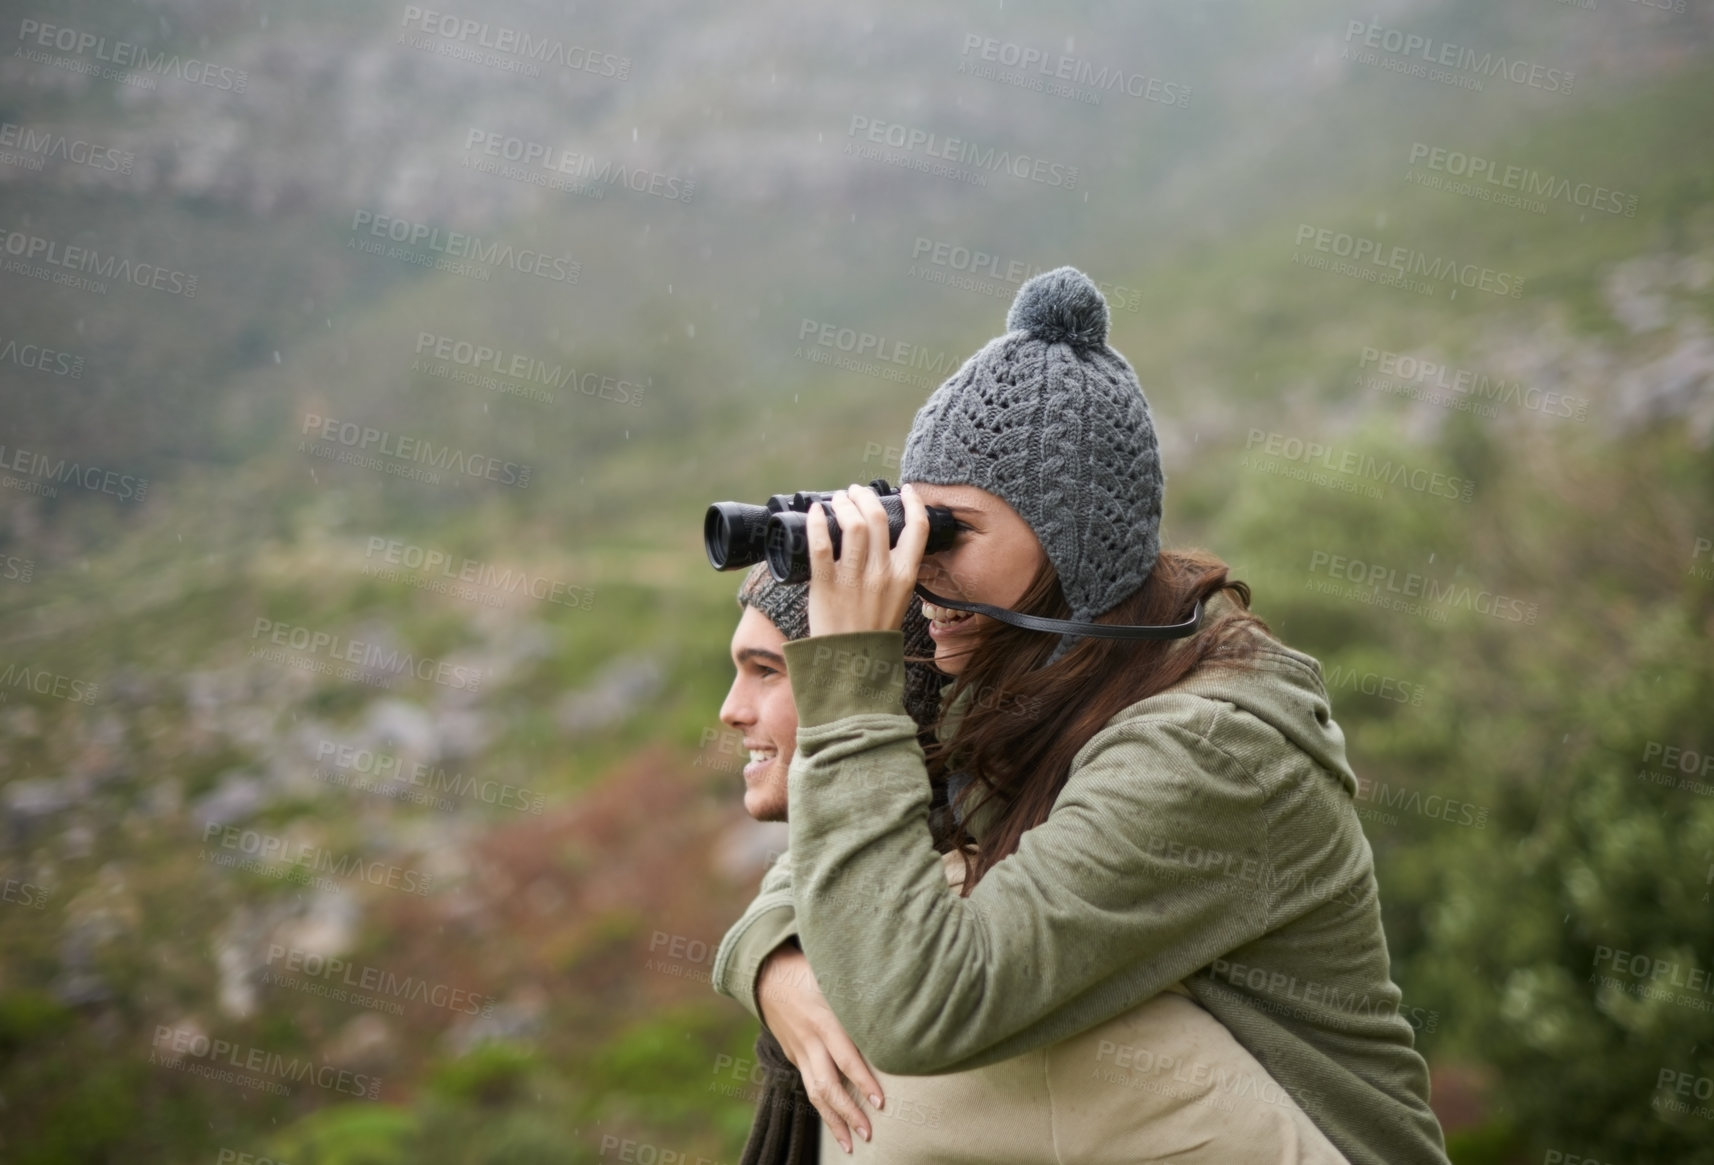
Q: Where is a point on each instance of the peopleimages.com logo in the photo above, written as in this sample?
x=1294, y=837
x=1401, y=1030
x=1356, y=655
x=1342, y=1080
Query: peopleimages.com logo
x=1423, y=56
x=337, y=649
x=123, y=55
x=960, y=152
x=454, y=245
x=33, y=147
x=479, y=358
x=1386, y=586
x=1524, y=186
x=264, y=849
x=173, y=1046
x=55, y=261
x=1404, y=262
x=404, y=448
x=509, y=45
x=40, y=467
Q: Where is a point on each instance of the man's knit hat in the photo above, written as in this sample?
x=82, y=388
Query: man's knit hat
x=787, y=604
x=1053, y=421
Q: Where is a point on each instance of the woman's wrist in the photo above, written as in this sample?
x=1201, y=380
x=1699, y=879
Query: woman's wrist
x=769, y=979
x=846, y=674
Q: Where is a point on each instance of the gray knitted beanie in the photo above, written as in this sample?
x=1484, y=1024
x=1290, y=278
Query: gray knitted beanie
x=1053, y=421
x=786, y=604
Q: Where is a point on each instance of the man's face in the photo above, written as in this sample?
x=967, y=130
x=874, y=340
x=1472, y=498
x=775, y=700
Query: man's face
x=760, y=706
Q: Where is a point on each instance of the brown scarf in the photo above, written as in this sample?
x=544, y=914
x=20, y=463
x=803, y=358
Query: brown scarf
x=787, y=1129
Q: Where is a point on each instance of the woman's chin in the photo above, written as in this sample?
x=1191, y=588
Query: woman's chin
x=950, y=659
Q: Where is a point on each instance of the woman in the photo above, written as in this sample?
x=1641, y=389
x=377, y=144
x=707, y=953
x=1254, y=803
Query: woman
x=1158, y=1049
x=1143, y=814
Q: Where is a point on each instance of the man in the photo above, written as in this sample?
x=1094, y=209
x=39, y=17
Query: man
x=760, y=706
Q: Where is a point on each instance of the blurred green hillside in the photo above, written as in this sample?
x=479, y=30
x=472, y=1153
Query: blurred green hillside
x=1545, y=708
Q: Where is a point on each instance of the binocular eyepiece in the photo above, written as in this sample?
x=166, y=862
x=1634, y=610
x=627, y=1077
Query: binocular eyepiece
x=737, y=535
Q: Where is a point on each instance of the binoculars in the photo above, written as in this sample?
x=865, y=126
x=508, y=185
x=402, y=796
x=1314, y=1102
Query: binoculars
x=737, y=535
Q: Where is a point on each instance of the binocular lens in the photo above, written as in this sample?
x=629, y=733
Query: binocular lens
x=732, y=533
x=787, y=545
x=738, y=535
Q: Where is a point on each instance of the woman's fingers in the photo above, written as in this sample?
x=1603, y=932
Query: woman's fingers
x=820, y=541
x=853, y=1065
x=826, y=1088
x=853, y=535
x=869, y=587
x=874, y=517
x=908, y=553
x=816, y=1043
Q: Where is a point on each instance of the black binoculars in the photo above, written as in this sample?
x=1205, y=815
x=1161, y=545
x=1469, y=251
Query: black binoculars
x=737, y=535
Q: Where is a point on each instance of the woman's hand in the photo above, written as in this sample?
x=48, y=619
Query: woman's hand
x=796, y=1012
x=871, y=585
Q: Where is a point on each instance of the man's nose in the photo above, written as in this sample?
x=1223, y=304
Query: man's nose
x=736, y=712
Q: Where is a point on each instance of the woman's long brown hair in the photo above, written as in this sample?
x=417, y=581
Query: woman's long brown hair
x=1026, y=722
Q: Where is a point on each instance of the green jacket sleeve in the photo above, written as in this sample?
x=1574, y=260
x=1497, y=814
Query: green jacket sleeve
x=1096, y=911
x=769, y=920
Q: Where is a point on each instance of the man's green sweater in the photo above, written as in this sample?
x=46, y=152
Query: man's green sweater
x=1206, y=834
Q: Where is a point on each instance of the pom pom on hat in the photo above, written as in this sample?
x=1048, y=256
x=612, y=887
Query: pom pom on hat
x=1062, y=306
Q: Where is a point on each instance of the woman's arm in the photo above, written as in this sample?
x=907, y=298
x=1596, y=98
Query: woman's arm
x=759, y=964
x=1146, y=871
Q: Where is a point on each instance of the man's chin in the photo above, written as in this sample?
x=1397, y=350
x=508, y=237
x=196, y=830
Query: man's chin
x=764, y=807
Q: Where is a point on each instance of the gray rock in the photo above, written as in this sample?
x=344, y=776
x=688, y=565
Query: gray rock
x=620, y=690
x=235, y=799
x=29, y=802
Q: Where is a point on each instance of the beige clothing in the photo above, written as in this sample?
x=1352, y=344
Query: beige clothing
x=1164, y=1081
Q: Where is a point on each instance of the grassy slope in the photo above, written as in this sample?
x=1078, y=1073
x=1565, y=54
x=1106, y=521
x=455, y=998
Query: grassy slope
x=1230, y=321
